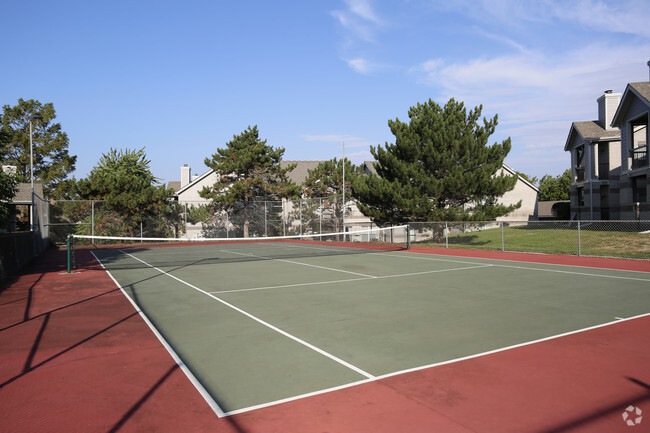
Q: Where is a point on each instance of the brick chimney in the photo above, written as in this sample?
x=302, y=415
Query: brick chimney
x=607, y=105
x=186, y=174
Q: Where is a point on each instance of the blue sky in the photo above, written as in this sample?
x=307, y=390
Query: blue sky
x=180, y=78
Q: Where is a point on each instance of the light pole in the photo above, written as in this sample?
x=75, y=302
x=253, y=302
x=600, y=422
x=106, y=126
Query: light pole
x=31, y=167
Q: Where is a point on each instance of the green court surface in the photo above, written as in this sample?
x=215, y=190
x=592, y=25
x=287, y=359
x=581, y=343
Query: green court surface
x=257, y=324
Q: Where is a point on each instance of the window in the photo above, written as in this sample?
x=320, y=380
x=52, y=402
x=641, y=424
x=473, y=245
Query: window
x=639, y=142
x=603, y=161
x=580, y=164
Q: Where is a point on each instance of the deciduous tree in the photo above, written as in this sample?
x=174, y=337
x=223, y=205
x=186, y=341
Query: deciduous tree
x=52, y=162
x=8, y=188
x=555, y=188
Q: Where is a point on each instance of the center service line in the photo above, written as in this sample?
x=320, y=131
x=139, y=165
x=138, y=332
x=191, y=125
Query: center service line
x=262, y=322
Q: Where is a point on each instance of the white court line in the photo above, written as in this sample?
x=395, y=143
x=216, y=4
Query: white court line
x=206, y=396
x=298, y=263
x=437, y=364
x=353, y=279
x=260, y=321
x=406, y=256
x=370, y=378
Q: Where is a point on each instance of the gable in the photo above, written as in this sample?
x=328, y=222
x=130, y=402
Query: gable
x=635, y=101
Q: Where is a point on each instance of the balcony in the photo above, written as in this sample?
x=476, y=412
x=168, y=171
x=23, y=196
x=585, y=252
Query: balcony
x=640, y=157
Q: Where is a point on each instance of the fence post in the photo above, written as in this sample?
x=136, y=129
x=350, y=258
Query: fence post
x=579, y=240
x=503, y=242
x=446, y=235
x=92, y=220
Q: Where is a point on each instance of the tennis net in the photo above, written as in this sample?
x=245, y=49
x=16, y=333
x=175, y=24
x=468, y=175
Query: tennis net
x=205, y=251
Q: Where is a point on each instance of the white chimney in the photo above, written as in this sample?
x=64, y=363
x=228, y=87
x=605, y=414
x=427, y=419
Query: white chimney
x=607, y=105
x=186, y=173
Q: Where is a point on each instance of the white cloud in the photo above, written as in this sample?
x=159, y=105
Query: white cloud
x=622, y=16
x=363, y=9
x=360, y=65
x=359, y=20
x=537, y=96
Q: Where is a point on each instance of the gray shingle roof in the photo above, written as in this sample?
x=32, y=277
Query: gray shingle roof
x=24, y=194
x=643, y=88
x=591, y=129
x=300, y=173
x=174, y=184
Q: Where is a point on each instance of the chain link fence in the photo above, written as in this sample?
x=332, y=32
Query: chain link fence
x=199, y=220
x=621, y=239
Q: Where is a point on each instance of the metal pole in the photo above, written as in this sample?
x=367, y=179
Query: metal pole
x=92, y=220
x=446, y=235
x=343, y=190
x=300, y=206
x=579, y=240
x=503, y=244
x=69, y=244
x=31, y=174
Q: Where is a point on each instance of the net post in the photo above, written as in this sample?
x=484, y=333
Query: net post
x=69, y=244
x=408, y=236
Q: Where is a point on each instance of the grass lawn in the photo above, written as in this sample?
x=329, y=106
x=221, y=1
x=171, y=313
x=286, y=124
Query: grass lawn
x=554, y=241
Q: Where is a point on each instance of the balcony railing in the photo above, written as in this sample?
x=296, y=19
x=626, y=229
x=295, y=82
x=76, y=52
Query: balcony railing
x=640, y=157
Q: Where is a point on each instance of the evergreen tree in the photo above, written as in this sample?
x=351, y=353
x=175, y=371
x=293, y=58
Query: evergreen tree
x=439, y=169
x=131, y=195
x=326, y=182
x=52, y=162
x=249, y=173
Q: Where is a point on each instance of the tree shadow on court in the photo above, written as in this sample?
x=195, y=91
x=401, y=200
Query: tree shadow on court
x=29, y=366
x=26, y=317
x=149, y=394
x=614, y=408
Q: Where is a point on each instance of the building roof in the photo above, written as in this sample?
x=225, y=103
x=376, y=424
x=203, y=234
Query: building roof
x=24, y=193
x=369, y=167
x=300, y=173
x=591, y=130
x=643, y=89
x=639, y=91
x=174, y=184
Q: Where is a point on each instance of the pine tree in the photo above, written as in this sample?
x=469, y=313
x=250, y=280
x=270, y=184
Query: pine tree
x=439, y=169
x=249, y=173
x=326, y=182
x=130, y=194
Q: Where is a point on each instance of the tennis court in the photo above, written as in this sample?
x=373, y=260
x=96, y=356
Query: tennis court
x=255, y=325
